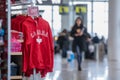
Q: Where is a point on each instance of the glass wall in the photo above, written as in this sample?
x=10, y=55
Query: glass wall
x=100, y=18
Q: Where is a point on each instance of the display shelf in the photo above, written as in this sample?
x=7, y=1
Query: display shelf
x=16, y=77
x=16, y=53
x=15, y=31
x=18, y=3
x=21, y=40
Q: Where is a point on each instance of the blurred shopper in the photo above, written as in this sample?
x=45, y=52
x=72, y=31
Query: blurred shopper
x=96, y=42
x=96, y=39
x=63, y=42
x=56, y=46
x=80, y=35
x=91, y=47
x=104, y=41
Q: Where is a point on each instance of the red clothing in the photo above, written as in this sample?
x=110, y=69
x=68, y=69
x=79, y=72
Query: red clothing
x=38, y=49
x=17, y=22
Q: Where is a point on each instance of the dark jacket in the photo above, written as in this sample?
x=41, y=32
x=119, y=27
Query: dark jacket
x=96, y=39
x=63, y=41
x=79, y=40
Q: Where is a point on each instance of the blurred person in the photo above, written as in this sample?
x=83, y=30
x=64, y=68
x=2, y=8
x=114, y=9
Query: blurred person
x=90, y=48
x=63, y=42
x=96, y=39
x=56, y=46
x=104, y=41
x=101, y=48
x=80, y=35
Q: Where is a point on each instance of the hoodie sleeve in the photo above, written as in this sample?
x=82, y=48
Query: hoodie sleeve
x=25, y=48
x=51, y=42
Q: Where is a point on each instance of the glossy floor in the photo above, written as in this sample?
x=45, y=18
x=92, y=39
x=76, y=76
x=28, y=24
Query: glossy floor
x=91, y=70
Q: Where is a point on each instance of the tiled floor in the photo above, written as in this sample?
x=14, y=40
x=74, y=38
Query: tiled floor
x=91, y=70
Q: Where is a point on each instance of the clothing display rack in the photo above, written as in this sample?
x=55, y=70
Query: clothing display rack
x=9, y=36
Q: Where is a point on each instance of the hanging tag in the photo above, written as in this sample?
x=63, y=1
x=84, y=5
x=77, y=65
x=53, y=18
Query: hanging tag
x=33, y=11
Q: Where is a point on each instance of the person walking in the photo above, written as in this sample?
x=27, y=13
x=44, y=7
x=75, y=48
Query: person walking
x=80, y=35
x=63, y=42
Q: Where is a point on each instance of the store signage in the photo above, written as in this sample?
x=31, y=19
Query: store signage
x=81, y=9
x=33, y=11
x=63, y=9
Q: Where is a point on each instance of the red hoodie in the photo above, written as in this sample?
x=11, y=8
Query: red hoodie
x=38, y=48
x=16, y=22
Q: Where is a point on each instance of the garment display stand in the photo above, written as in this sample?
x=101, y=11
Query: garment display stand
x=9, y=39
x=37, y=58
x=34, y=74
x=9, y=36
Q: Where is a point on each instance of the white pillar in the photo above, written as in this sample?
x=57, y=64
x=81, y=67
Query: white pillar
x=114, y=39
x=71, y=15
x=114, y=30
x=67, y=20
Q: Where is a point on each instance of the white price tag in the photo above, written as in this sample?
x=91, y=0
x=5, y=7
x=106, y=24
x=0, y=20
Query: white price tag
x=33, y=11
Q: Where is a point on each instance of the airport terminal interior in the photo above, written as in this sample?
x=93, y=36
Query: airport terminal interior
x=41, y=40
